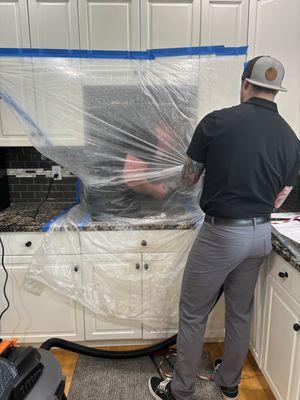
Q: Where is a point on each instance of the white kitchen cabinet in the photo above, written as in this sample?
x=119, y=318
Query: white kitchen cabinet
x=259, y=313
x=162, y=277
x=32, y=318
x=14, y=32
x=137, y=241
x=54, y=24
x=144, y=276
x=27, y=244
x=274, y=30
x=114, y=281
x=14, y=29
x=281, y=340
x=57, y=98
x=170, y=23
x=109, y=25
x=224, y=22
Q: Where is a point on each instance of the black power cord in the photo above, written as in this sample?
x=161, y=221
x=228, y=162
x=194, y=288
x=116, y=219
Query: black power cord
x=5, y=282
x=3, y=252
x=38, y=207
x=46, y=198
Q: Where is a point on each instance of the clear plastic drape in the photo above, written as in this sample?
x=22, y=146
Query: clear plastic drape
x=122, y=127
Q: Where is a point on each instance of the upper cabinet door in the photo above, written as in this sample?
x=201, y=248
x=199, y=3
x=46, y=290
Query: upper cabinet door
x=54, y=24
x=109, y=25
x=169, y=23
x=224, y=22
x=275, y=30
x=14, y=30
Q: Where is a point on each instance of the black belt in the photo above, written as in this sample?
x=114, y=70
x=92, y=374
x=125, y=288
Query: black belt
x=237, y=222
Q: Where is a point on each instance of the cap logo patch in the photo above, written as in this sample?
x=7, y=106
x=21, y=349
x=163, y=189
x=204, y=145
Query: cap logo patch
x=271, y=74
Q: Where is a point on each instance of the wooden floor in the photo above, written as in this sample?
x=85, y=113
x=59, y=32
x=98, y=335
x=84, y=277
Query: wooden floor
x=253, y=385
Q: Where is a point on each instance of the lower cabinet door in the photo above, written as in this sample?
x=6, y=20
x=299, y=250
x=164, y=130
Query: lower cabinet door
x=258, y=313
x=162, y=277
x=115, y=283
x=281, y=361
x=36, y=318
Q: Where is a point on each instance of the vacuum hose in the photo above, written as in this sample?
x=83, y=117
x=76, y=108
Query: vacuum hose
x=98, y=353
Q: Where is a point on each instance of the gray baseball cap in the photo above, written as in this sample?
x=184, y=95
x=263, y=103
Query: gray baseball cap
x=265, y=71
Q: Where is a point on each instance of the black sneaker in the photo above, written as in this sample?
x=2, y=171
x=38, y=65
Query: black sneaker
x=228, y=393
x=160, y=389
x=218, y=362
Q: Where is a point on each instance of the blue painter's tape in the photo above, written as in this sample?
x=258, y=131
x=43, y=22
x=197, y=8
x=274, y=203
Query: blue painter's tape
x=125, y=55
x=11, y=103
x=47, y=225
x=85, y=220
x=77, y=191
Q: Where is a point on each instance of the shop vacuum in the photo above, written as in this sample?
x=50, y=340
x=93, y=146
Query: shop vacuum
x=29, y=373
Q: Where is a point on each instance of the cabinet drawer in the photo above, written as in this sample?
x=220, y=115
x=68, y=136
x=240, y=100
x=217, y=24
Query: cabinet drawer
x=292, y=282
x=26, y=244
x=137, y=241
x=21, y=244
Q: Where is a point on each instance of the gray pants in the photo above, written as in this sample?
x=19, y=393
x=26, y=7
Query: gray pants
x=220, y=255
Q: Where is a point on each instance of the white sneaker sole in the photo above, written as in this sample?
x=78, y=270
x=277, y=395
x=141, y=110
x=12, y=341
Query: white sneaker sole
x=229, y=398
x=153, y=394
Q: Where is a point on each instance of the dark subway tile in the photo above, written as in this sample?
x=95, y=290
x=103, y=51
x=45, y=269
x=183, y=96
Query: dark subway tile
x=34, y=188
x=28, y=150
x=20, y=188
x=14, y=195
x=24, y=157
x=42, y=180
x=27, y=181
x=13, y=180
x=27, y=195
x=18, y=164
x=68, y=195
x=35, y=157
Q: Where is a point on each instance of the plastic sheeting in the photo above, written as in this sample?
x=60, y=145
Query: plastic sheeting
x=122, y=127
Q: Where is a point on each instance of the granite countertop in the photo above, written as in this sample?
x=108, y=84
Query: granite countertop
x=19, y=218
x=285, y=253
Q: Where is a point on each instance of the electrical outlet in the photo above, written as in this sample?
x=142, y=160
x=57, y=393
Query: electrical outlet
x=56, y=169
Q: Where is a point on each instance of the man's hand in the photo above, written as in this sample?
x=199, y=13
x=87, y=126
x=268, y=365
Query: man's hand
x=159, y=191
x=135, y=177
x=281, y=197
x=191, y=172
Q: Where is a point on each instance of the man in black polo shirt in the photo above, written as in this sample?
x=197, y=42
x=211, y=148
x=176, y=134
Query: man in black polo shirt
x=251, y=160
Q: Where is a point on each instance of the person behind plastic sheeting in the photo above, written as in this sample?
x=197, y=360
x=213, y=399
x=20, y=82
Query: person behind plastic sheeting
x=251, y=157
x=136, y=193
x=135, y=149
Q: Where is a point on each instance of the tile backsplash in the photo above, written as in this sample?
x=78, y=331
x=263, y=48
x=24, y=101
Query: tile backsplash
x=29, y=175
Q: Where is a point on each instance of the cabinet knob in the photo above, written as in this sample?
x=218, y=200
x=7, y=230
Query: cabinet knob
x=137, y=266
x=297, y=327
x=28, y=244
x=283, y=275
x=146, y=266
x=144, y=243
x=76, y=268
